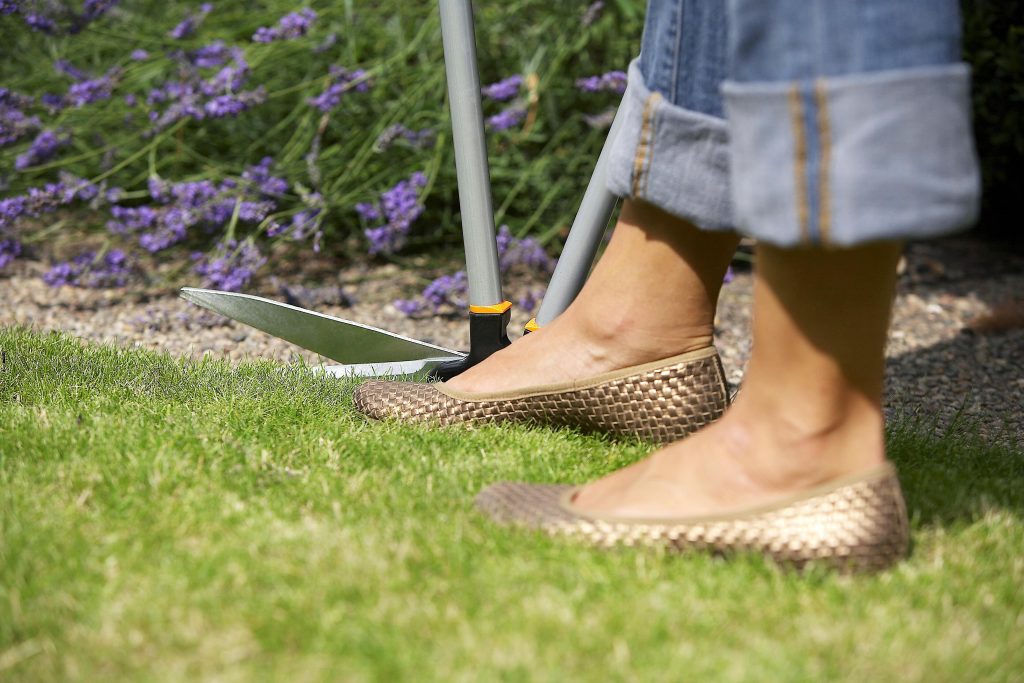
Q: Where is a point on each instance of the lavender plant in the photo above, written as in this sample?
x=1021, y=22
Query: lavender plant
x=448, y=292
x=218, y=129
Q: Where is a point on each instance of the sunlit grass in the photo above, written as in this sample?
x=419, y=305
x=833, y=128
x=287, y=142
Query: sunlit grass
x=167, y=520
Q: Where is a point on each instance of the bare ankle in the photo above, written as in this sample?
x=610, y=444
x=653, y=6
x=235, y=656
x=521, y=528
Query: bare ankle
x=786, y=445
x=626, y=336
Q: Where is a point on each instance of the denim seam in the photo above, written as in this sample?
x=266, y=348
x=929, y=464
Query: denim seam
x=812, y=150
x=640, y=160
x=799, y=161
x=825, y=144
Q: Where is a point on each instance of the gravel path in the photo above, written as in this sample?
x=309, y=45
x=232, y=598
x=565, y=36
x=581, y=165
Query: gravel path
x=938, y=368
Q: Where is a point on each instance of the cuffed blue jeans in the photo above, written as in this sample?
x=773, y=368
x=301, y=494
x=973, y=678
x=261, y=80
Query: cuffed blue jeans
x=801, y=122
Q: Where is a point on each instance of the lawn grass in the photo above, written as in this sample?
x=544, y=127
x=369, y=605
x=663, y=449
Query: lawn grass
x=169, y=520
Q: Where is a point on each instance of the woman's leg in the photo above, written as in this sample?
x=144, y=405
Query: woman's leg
x=654, y=291
x=651, y=296
x=850, y=130
x=810, y=410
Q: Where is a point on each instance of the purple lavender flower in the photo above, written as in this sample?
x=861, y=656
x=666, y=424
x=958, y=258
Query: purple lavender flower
x=506, y=119
x=10, y=249
x=9, y=7
x=289, y=27
x=14, y=99
x=253, y=212
x=60, y=274
x=44, y=147
x=228, y=105
x=112, y=270
x=264, y=35
x=224, y=105
x=11, y=209
x=528, y=301
x=447, y=289
x=368, y=212
x=527, y=252
x=214, y=54
x=159, y=189
x=174, y=224
x=217, y=213
x=193, y=194
x=127, y=219
x=266, y=184
x=399, y=208
x=89, y=270
x=40, y=22
x=139, y=55
x=304, y=224
x=229, y=267
x=94, y=9
x=409, y=307
x=180, y=206
x=342, y=82
x=450, y=290
x=613, y=81
x=78, y=188
x=189, y=24
x=416, y=138
x=504, y=89
x=35, y=202
x=297, y=24
x=52, y=102
x=63, y=66
x=91, y=90
x=328, y=99
x=14, y=124
x=229, y=79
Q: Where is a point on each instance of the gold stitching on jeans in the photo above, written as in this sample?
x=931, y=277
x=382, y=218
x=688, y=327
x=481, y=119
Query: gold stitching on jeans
x=825, y=142
x=799, y=162
x=643, y=147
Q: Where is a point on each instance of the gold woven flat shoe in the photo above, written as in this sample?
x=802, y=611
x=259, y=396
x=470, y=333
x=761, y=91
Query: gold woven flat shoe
x=856, y=523
x=661, y=401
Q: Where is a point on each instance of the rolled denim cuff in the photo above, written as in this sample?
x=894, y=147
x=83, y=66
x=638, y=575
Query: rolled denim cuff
x=850, y=159
x=671, y=157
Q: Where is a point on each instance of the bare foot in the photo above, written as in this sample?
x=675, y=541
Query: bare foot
x=748, y=458
x=651, y=296
x=810, y=409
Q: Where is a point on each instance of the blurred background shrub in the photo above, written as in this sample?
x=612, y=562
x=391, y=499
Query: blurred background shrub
x=994, y=45
x=222, y=126
x=222, y=129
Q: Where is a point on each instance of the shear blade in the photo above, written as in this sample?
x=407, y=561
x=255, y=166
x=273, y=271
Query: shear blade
x=345, y=341
x=398, y=368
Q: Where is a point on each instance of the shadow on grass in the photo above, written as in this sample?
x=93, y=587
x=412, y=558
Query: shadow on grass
x=952, y=477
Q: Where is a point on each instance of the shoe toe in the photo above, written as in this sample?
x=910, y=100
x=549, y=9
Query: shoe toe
x=406, y=401
x=370, y=399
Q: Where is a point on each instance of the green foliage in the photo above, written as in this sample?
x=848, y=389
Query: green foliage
x=538, y=169
x=994, y=46
x=168, y=520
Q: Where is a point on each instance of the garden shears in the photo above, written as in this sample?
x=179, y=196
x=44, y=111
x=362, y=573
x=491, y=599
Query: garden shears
x=369, y=351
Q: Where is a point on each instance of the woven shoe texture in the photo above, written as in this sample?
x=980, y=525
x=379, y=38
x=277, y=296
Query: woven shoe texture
x=857, y=524
x=661, y=402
